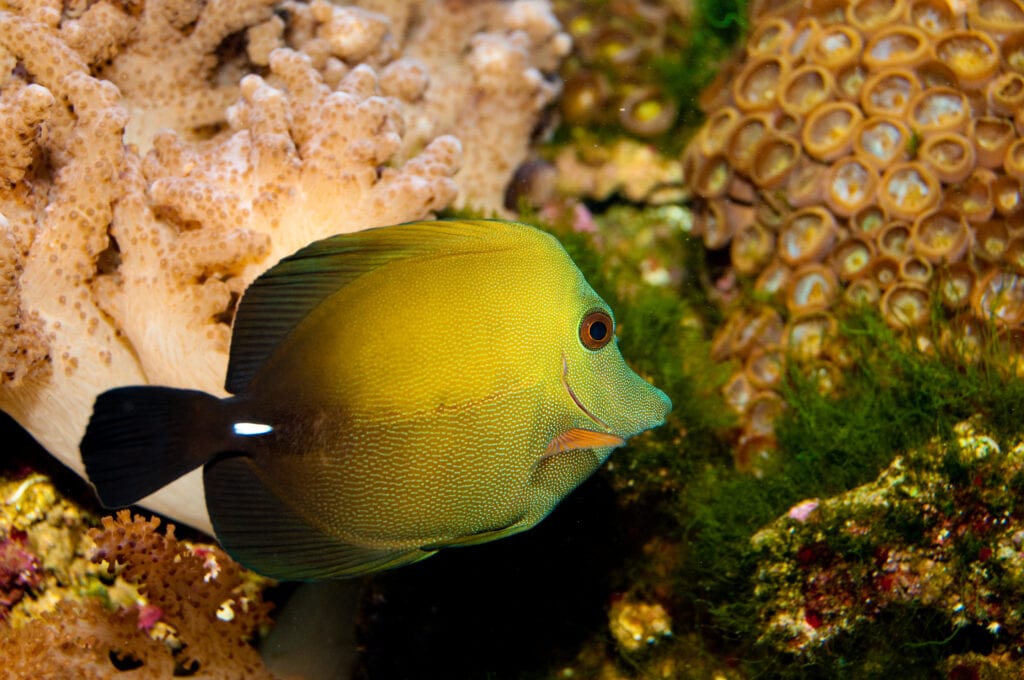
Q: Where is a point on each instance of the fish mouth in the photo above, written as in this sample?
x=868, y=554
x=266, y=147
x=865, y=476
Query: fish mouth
x=581, y=438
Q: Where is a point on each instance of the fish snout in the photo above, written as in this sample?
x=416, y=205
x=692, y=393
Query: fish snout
x=651, y=407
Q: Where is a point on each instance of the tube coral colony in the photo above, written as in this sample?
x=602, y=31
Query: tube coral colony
x=873, y=152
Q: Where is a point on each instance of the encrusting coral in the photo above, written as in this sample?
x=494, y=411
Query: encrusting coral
x=165, y=154
x=861, y=153
x=127, y=598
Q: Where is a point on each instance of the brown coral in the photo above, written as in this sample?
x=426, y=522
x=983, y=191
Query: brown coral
x=198, y=616
x=907, y=154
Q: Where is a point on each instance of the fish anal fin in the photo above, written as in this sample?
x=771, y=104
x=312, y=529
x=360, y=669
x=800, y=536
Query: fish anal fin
x=263, y=532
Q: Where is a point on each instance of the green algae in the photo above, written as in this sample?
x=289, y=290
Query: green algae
x=893, y=397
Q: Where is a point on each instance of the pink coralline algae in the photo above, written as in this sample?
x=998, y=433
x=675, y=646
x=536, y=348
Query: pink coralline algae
x=19, y=570
x=802, y=511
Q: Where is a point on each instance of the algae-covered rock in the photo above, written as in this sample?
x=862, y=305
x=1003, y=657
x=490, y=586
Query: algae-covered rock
x=932, y=547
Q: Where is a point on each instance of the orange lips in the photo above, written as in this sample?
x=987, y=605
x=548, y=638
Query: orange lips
x=578, y=438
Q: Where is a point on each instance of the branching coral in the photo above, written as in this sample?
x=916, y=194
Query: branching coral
x=162, y=155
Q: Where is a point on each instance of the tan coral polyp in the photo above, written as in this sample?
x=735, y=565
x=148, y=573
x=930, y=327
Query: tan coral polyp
x=805, y=183
x=950, y=155
x=774, y=159
x=769, y=37
x=999, y=296
x=868, y=220
x=889, y=92
x=764, y=366
x=851, y=258
x=894, y=240
x=915, y=269
x=908, y=189
x=714, y=225
x=955, y=284
x=772, y=280
x=806, y=235
x=1008, y=195
x=862, y=291
x=850, y=184
x=738, y=392
x=836, y=46
x=804, y=88
x=762, y=413
x=712, y=177
x=881, y=141
x=751, y=248
x=905, y=305
x=991, y=239
x=807, y=335
x=850, y=81
x=884, y=271
x=896, y=46
x=765, y=327
x=996, y=17
x=714, y=135
x=812, y=288
x=931, y=16
x=973, y=196
x=992, y=137
x=972, y=55
x=828, y=132
x=647, y=112
x=1013, y=160
x=941, y=236
x=939, y=109
x=803, y=35
x=1006, y=94
x=757, y=85
x=1012, y=51
x=1015, y=254
x=744, y=140
x=870, y=15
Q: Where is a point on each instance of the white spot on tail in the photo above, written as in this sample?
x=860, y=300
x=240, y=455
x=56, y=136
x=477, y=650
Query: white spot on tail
x=251, y=429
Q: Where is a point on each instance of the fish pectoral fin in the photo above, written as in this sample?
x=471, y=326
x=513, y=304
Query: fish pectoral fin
x=263, y=532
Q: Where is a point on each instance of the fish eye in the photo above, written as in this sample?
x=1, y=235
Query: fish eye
x=596, y=330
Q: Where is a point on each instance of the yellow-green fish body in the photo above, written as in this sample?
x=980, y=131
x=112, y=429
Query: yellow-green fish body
x=398, y=390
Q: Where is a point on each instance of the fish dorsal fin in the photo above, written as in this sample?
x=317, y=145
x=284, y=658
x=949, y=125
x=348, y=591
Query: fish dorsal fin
x=281, y=297
x=262, y=531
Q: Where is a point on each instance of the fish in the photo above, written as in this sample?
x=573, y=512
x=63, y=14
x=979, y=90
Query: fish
x=394, y=392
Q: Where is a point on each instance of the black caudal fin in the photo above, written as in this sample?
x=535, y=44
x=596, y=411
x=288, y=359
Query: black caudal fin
x=140, y=439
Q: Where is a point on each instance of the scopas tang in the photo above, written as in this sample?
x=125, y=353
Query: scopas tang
x=396, y=391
